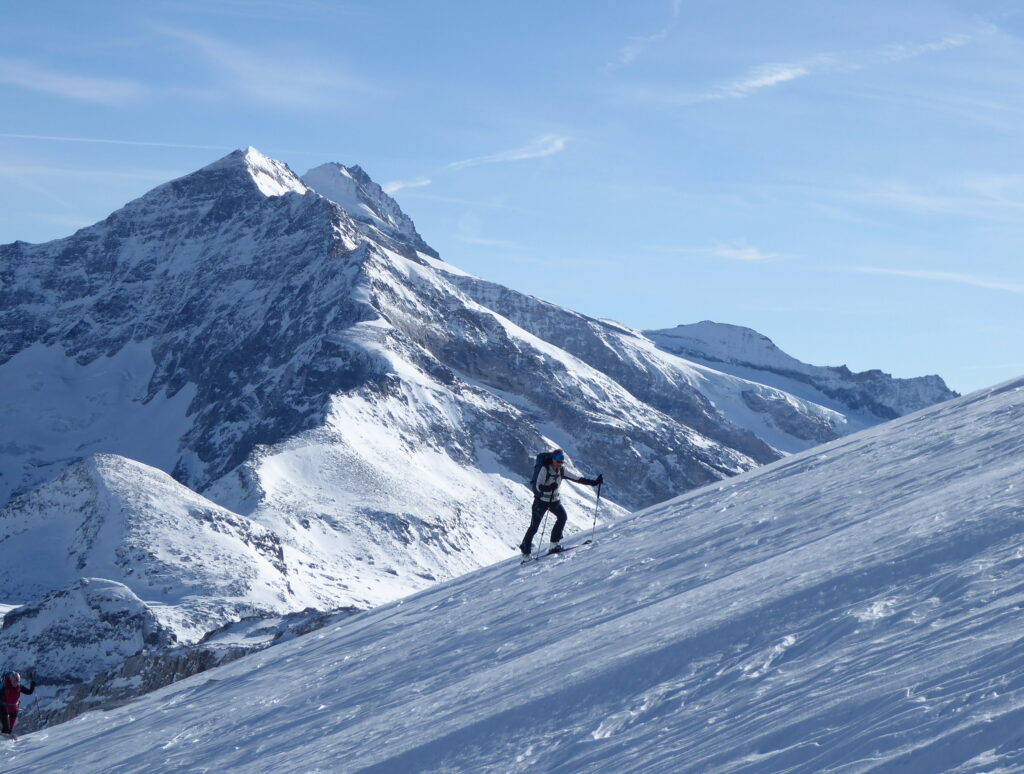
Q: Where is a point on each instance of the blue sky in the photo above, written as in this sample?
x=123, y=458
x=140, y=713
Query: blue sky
x=846, y=178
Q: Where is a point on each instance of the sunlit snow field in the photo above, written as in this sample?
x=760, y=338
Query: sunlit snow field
x=856, y=608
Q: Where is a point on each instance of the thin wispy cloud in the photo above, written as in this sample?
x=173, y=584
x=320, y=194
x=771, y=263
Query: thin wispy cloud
x=469, y=231
x=945, y=276
x=36, y=171
x=761, y=77
x=733, y=251
x=902, y=51
x=316, y=11
x=997, y=198
x=82, y=88
x=771, y=75
x=637, y=45
x=53, y=138
x=749, y=83
x=398, y=185
x=548, y=145
x=284, y=82
x=484, y=242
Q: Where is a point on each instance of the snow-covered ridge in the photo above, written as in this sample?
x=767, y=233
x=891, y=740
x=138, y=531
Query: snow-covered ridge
x=751, y=355
x=353, y=190
x=110, y=517
x=852, y=608
x=271, y=176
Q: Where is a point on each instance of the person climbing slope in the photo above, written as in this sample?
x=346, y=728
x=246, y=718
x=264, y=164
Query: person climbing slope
x=10, y=700
x=549, y=473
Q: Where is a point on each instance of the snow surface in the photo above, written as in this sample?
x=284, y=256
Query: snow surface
x=855, y=608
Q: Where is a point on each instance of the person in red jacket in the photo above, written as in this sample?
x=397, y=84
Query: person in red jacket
x=10, y=701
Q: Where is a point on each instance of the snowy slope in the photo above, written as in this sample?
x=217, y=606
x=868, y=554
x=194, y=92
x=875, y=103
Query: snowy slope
x=110, y=517
x=745, y=412
x=855, y=608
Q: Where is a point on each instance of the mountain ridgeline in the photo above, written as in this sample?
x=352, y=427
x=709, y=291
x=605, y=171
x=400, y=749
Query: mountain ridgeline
x=277, y=375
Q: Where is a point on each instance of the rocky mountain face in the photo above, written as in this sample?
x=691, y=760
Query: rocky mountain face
x=250, y=393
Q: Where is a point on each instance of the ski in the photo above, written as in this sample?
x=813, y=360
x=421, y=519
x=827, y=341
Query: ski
x=538, y=557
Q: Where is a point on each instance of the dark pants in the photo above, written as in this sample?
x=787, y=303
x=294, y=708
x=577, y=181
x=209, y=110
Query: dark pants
x=540, y=507
x=8, y=720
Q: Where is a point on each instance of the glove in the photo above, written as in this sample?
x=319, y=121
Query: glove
x=599, y=480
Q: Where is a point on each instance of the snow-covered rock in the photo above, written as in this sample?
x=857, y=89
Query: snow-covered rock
x=851, y=608
x=108, y=517
x=80, y=629
x=95, y=658
x=366, y=202
x=233, y=306
x=114, y=560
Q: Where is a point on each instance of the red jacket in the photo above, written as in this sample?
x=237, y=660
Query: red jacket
x=12, y=695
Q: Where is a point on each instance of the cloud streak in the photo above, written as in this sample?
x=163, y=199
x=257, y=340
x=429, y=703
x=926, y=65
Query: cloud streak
x=774, y=74
x=548, y=145
x=761, y=77
x=735, y=251
x=82, y=88
x=945, y=276
x=639, y=44
x=53, y=138
x=998, y=198
x=398, y=185
x=902, y=51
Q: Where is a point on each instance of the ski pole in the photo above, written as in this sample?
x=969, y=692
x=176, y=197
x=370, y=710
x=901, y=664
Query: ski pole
x=540, y=534
x=32, y=677
x=597, y=505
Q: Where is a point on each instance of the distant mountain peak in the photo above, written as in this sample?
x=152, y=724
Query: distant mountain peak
x=727, y=343
x=746, y=353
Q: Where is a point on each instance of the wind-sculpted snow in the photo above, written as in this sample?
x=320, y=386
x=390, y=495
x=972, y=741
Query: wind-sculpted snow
x=855, y=608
